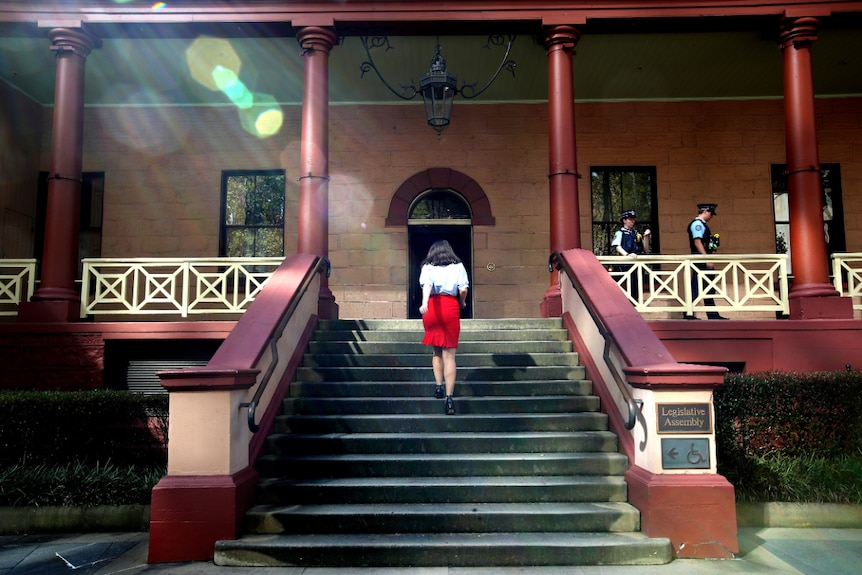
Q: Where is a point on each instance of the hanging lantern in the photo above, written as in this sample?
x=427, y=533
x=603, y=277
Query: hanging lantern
x=438, y=88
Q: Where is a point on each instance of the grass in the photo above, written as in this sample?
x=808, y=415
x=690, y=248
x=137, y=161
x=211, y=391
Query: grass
x=77, y=485
x=802, y=479
x=791, y=437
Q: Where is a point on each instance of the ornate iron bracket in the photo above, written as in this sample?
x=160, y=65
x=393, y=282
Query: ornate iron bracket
x=409, y=91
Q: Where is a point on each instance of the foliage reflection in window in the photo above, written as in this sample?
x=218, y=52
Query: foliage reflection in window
x=781, y=209
x=614, y=189
x=833, y=209
x=440, y=205
x=253, y=213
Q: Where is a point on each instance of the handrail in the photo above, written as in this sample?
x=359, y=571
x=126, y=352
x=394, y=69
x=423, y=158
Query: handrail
x=321, y=265
x=555, y=262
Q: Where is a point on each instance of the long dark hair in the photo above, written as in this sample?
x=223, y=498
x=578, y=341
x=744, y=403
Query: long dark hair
x=441, y=254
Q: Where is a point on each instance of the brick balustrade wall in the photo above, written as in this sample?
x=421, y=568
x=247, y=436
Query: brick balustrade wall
x=61, y=362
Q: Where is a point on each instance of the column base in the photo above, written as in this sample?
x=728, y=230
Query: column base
x=49, y=311
x=189, y=514
x=327, y=308
x=821, y=308
x=552, y=303
x=696, y=512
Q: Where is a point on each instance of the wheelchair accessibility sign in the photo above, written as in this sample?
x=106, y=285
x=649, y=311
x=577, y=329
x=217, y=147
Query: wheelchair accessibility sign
x=692, y=453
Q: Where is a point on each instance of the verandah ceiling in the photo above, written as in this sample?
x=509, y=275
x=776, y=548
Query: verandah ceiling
x=653, y=59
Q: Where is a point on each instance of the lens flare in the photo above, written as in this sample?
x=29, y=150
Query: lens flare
x=208, y=58
x=352, y=206
x=214, y=63
x=159, y=5
x=146, y=122
x=232, y=87
x=263, y=118
x=269, y=122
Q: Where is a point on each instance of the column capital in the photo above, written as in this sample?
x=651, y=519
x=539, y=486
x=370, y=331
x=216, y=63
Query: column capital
x=565, y=37
x=76, y=40
x=796, y=31
x=316, y=38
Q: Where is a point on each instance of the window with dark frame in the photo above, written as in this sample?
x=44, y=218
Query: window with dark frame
x=440, y=205
x=252, y=213
x=614, y=189
x=832, y=204
x=90, y=221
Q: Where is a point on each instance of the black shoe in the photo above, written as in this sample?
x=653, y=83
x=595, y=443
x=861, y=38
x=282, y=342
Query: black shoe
x=689, y=317
x=717, y=317
x=438, y=392
x=450, y=406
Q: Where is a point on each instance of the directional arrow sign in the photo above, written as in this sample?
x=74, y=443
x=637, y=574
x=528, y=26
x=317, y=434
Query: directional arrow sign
x=685, y=453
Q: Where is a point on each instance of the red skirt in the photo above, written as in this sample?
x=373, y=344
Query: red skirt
x=442, y=321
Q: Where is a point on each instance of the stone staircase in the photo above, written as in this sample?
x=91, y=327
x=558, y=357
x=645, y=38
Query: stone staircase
x=364, y=468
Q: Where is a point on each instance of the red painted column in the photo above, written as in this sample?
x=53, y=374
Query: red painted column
x=563, y=174
x=808, y=246
x=313, y=230
x=57, y=298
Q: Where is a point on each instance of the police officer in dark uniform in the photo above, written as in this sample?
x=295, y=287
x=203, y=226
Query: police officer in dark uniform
x=702, y=241
x=629, y=242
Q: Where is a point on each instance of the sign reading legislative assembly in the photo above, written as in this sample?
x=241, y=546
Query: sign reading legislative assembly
x=684, y=417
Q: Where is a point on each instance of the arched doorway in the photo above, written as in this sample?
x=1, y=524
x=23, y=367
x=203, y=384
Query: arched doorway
x=438, y=203
x=438, y=215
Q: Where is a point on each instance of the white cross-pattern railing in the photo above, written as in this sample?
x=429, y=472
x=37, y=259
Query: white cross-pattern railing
x=183, y=287
x=847, y=276
x=172, y=286
x=17, y=284
x=738, y=282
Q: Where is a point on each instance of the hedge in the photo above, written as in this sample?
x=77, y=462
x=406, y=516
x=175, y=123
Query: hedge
x=794, y=414
x=787, y=436
x=87, y=427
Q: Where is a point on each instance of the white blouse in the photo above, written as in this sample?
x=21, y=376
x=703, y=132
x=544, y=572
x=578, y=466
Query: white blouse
x=444, y=279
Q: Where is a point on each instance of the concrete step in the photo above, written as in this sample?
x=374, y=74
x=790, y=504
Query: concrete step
x=416, y=347
x=430, y=405
x=416, y=324
x=364, y=468
x=441, y=464
x=430, y=423
x=509, y=373
x=522, y=388
x=464, y=360
x=506, y=442
x=444, y=518
x=444, y=549
x=415, y=336
x=406, y=490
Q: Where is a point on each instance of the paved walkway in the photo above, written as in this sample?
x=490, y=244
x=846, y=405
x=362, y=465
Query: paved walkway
x=808, y=551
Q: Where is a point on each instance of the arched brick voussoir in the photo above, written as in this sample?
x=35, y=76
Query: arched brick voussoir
x=440, y=178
